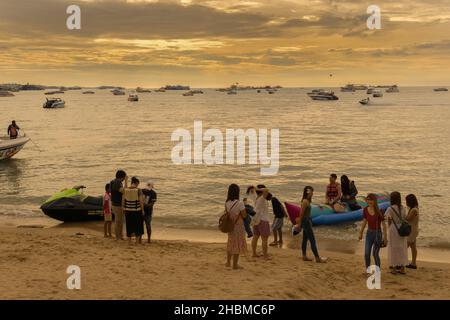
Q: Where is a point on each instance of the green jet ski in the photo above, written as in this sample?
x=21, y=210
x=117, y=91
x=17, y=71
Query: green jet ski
x=71, y=205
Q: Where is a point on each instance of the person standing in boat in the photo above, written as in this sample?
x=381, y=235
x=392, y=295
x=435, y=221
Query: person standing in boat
x=117, y=188
x=13, y=130
x=133, y=207
x=333, y=194
x=150, y=197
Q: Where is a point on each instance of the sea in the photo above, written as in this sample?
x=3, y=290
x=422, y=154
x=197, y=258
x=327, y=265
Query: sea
x=399, y=142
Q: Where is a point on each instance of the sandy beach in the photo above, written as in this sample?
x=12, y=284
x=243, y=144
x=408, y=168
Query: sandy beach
x=34, y=259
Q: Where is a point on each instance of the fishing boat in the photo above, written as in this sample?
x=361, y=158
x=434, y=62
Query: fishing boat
x=54, y=103
x=365, y=101
x=322, y=95
x=10, y=147
x=133, y=97
x=71, y=205
x=325, y=215
x=440, y=89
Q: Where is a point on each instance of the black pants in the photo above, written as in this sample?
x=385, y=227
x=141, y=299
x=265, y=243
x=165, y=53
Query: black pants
x=148, y=224
x=308, y=235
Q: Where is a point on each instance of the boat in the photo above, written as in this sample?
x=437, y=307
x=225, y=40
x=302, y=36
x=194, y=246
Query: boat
x=6, y=94
x=188, y=94
x=440, y=89
x=133, y=97
x=54, y=92
x=370, y=91
x=177, y=87
x=54, y=103
x=365, y=101
x=377, y=94
x=10, y=147
x=232, y=91
x=348, y=88
x=88, y=92
x=197, y=91
x=160, y=90
x=322, y=95
x=392, y=89
x=360, y=87
x=71, y=205
x=325, y=215
x=141, y=90
x=271, y=91
x=118, y=92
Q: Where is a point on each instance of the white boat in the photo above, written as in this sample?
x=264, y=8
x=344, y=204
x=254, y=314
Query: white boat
x=271, y=91
x=392, y=89
x=118, y=92
x=54, y=103
x=377, y=94
x=133, y=97
x=440, y=89
x=322, y=95
x=10, y=147
x=365, y=101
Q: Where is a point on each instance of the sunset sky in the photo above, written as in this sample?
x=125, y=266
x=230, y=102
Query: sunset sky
x=215, y=43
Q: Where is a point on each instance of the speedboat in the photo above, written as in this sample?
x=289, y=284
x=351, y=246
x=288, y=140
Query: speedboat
x=133, y=97
x=54, y=103
x=71, y=205
x=440, y=89
x=365, y=101
x=141, y=90
x=322, y=95
x=392, y=89
x=118, y=92
x=377, y=94
x=10, y=147
x=325, y=215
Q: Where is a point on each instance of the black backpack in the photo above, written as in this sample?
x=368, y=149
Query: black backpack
x=404, y=229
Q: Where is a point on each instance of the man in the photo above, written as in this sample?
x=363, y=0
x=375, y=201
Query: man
x=13, y=130
x=149, y=201
x=333, y=194
x=117, y=189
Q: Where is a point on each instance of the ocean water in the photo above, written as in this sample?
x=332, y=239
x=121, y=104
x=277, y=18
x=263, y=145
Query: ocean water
x=400, y=142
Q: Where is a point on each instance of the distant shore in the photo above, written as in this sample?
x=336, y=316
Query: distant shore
x=34, y=259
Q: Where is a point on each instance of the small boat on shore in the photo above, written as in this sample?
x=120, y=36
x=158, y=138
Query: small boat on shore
x=10, y=147
x=440, y=89
x=71, y=205
x=54, y=103
x=133, y=97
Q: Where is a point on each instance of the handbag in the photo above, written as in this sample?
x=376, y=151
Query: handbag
x=405, y=228
x=226, y=223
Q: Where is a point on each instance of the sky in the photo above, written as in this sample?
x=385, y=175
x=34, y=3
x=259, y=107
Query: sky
x=211, y=43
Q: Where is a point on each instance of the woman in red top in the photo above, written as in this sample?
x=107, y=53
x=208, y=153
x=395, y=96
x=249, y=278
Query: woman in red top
x=374, y=218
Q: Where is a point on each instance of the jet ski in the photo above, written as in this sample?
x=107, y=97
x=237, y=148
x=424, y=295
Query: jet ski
x=71, y=205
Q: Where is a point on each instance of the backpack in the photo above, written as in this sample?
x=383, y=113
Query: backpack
x=226, y=223
x=405, y=228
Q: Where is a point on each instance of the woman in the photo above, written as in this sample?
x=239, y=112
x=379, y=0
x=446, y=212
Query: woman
x=413, y=219
x=236, y=244
x=133, y=206
x=349, y=193
x=306, y=225
x=374, y=218
x=397, y=245
x=261, y=225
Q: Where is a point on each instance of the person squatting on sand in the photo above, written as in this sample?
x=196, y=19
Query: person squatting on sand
x=375, y=238
x=261, y=226
x=133, y=206
x=107, y=216
x=117, y=189
x=397, y=245
x=413, y=219
x=236, y=244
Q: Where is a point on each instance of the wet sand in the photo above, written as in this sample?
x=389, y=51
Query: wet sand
x=34, y=259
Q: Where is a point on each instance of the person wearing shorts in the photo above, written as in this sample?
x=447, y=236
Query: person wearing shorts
x=261, y=226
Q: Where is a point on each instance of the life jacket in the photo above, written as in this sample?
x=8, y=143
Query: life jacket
x=131, y=199
x=332, y=191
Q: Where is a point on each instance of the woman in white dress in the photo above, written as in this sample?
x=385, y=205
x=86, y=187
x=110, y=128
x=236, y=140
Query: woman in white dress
x=397, y=245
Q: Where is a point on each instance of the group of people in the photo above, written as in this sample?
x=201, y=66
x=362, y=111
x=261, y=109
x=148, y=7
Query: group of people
x=251, y=218
x=131, y=204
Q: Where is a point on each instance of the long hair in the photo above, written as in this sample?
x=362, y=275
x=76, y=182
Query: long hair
x=396, y=199
x=411, y=201
x=233, y=192
x=307, y=193
x=249, y=188
x=373, y=197
x=345, y=184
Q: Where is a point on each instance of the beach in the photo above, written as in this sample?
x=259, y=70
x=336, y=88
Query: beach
x=34, y=259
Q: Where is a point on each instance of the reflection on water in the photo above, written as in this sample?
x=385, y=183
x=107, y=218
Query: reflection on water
x=397, y=143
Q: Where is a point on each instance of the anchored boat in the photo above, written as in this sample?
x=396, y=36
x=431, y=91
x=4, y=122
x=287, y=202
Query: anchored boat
x=10, y=147
x=54, y=103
